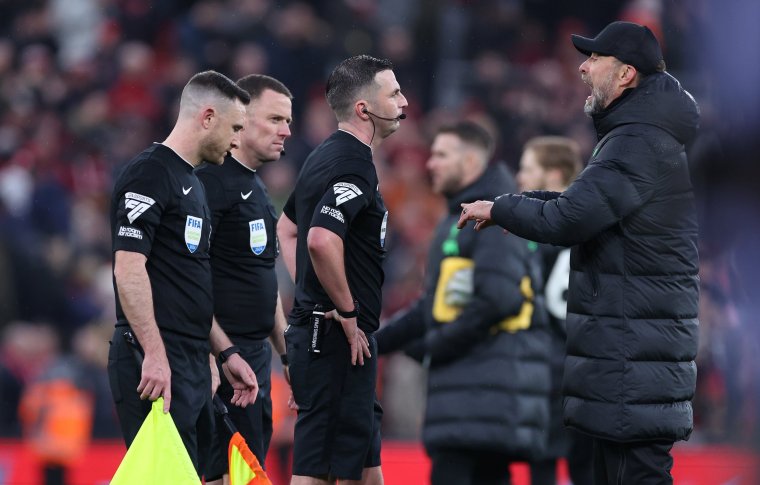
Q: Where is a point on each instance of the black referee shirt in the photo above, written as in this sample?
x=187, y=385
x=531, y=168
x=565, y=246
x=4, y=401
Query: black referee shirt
x=158, y=208
x=337, y=189
x=243, y=248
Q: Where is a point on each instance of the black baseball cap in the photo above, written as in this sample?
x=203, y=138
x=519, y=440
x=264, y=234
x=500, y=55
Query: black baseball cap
x=631, y=43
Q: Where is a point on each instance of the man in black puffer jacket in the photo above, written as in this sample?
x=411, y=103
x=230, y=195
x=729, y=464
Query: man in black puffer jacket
x=630, y=215
x=478, y=327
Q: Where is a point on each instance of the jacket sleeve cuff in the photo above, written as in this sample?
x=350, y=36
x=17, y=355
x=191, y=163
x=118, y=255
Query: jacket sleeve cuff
x=502, y=210
x=542, y=194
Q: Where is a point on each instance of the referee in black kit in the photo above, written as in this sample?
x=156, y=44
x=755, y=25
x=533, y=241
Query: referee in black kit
x=243, y=253
x=160, y=227
x=332, y=234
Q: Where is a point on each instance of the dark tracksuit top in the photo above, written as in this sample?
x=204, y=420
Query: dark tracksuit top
x=483, y=332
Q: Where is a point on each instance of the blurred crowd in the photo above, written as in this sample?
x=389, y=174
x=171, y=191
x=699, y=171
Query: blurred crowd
x=87, y=84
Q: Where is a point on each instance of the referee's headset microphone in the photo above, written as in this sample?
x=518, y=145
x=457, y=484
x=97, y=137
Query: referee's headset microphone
x=402, y=116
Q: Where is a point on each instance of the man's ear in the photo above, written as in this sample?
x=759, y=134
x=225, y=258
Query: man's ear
x=628, y=75
x=474, y=159
x=361, y=110
x=207, y=117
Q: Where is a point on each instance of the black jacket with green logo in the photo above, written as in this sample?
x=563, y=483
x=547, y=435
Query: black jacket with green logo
x=483, y=334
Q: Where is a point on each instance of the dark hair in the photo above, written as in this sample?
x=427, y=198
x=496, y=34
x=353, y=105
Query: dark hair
x=472, y=134
x=255, y=84
x=349, y=78
x=214, y=81
x=557, y=152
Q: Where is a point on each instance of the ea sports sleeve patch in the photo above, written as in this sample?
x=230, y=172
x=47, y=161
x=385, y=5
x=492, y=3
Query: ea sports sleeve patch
x=341, y=203
x=139, y=208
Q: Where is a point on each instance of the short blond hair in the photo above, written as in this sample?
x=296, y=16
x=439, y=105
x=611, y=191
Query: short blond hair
x=557, y=153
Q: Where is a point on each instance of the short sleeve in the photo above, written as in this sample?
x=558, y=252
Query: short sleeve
x=346, y=197
x=142, y=200
x=290, y=207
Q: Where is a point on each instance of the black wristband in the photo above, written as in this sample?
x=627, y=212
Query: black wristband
x=227, y=353
x=284, y=359
x=352, y=314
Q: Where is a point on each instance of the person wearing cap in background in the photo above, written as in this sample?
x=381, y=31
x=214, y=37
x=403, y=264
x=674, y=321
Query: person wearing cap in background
x=630, y=217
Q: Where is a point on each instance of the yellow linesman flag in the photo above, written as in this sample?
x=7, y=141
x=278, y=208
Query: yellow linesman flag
x=157, y=455
x=245, y=468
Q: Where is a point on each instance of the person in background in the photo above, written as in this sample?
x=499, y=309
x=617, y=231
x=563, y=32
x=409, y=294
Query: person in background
x=243, y=253
x=551, y=163
x=630, y=218
x=477, y=327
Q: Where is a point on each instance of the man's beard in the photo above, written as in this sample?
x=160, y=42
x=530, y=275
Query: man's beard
x=599, y=96
x=210, y=153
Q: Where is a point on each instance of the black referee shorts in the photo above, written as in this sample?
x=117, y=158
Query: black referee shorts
x=255, y=420
x=190, y=408
x=337, y=433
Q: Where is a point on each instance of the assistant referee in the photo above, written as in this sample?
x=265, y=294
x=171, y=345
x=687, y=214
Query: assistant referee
x=160, y=225
x=243, y=253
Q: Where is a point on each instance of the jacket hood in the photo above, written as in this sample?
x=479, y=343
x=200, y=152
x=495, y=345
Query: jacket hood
x=494, y=181
x=660, y=101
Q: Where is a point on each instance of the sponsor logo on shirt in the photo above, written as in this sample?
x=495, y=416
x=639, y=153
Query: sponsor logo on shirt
x=186, y=190
x=332, y=212
x=138, y=204
x=383, y=228
x=130, y=232
x=258, y=233
x=245, y=196
x=345, y=192
x=193, y=229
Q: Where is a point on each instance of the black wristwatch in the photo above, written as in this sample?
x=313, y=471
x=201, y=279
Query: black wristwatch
x=284, y=359
x=225, y=354
x=352, y=314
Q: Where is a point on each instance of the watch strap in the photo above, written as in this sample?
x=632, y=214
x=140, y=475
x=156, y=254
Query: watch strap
x=227, y=353
x=351, y=314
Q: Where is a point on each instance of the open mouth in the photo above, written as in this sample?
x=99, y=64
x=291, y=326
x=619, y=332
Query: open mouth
x=587, y=82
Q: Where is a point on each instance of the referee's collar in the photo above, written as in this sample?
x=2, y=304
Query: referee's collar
x=346, y=131
x=192, y=167
x=243, y=165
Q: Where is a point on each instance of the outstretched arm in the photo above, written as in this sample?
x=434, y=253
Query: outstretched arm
x=608, y=190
